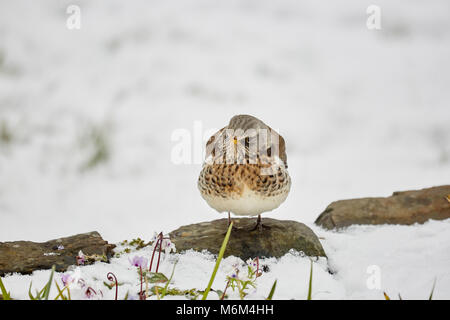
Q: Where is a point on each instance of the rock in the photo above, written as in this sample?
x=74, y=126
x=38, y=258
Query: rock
x=26, y=256
x=406, y=207
x=274, y=242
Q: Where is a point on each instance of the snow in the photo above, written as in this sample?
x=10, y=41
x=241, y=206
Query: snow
x=410, y=260
x=364, y=113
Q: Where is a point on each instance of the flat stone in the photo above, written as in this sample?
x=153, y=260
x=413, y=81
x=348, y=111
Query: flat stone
x=275, y=241
x=406, y=208
x=25, y=256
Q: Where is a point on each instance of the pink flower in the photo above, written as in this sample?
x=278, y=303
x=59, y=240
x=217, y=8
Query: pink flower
x=66, y=279
x=138, y=262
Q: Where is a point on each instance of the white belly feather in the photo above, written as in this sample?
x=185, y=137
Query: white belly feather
x=249, y=203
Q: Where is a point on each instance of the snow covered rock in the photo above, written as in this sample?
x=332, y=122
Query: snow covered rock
x=26, y=256
x=274, y=241
x=406, y=207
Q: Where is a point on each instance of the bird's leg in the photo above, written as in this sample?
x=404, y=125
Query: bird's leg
x=258, y=220
x=229, y=222
x=259, y=226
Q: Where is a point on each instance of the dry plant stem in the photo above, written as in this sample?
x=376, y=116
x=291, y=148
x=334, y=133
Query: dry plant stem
x=112, y=277
x=258, y=273
x=225, y=290
x=89, y=291
x=160, y=248
x=153, y=255
x=159, y=241
x=146, y=287
x=141, y=293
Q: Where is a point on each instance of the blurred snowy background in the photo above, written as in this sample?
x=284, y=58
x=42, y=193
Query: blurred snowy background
x=87, y=116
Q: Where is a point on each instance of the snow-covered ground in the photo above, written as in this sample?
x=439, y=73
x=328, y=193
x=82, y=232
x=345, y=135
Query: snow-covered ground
x=363, y=263
x=88, y=116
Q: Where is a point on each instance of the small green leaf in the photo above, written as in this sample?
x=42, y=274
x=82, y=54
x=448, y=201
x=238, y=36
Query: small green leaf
x=109, y=286
x=156, y=277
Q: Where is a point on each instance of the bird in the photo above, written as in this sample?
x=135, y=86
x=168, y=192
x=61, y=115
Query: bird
x=245, y=169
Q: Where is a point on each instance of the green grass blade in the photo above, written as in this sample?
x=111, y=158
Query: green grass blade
x=219, y=258
x=60, y=292
x=5, y=293
x=310, y=282
x=41, y=293
x=30, y=294
x=170, y=279
x=49, y=284
x=432, y=290
x=272, y=291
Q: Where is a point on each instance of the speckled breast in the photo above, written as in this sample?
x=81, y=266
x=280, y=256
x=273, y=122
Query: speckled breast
x=243, y=189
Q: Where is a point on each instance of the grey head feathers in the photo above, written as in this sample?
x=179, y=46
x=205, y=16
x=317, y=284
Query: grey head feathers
x=246, y=123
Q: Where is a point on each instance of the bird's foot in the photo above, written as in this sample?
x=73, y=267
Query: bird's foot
x=259, y=225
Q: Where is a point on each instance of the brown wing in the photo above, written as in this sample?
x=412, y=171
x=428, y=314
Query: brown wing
x=210, y=145
x=281, y=148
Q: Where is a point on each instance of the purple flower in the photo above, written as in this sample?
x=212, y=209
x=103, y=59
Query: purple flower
x=66, y=279
x=138, y=262
x=60, y=247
